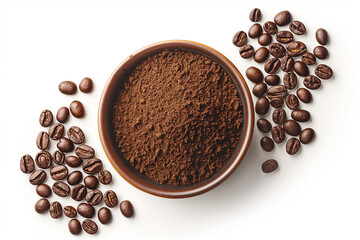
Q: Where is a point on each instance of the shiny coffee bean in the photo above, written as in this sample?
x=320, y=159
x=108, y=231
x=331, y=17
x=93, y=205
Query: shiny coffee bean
x=323, y=71
x=312, y=82
x=77, y=109
x=94, y=197
x=307, y=135
x=301, y=69
x=42, y=141
x=267, y=144
x=73, y=161
x=261, y=54
x=322, y=36
x=105, y=177
x=110, y=199
x=297, y=27
x=70, y=211
x=262, y=106
x=279, y=116
x=277, y=50
x=46, y=118
x=295, y=48
x=84, y=151
x=300, y=115
x=321, y=52
x=277, y=102
x=240, y=39
x=272, y=65
x=264, y=39
x=278, y=134
x=89, y=226
x=65, y=145
x=284, y=37
x=272, y=79
x=254, y=74
x=62, y=114
x=246, y=51
x=43, y=159
x=27, y=164
x=277, y=91
x=127, y=208
x=78, y=192
x=37, y=177
x=269, y=166
x=55, y=209
x=43, y=190
x=259, y=89
x=86, y=210
x=270, y=27
x=304, y=95
x=56, y=131
x=42, y=205
x=67, y=87
x=292, y=146
x=61, y=189
x=104, y=215
x=292, y=128
x=292, y=102
x=290, y=80
x=282, y=18
x=91, y=182
x=308, y=58
x=255, y=15
x=86, y=85
x=255, y=30
x=59, y=172
x=76, y=135
x=58, y=157
x=287, y=63
x=263, y=125
x=74, y=178
x=74, y=226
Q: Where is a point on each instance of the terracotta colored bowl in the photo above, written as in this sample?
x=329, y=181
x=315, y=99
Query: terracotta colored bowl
x=123, y=167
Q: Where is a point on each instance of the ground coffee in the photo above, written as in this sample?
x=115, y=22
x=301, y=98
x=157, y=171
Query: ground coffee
x=177, y=117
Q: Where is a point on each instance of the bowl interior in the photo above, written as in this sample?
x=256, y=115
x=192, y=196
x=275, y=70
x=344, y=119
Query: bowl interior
x=107, y=135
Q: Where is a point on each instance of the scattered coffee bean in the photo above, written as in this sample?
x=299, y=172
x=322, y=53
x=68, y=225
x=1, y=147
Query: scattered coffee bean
x=86, y=85
x=73, y=161
x=279, y=116
x=37, y=177
x=312, y=82
x=292, y=146
x=308, y=58
x=43, y=159
x=62, y=114
x=262, y=106
x=278, y=134
x=89, y=226
x=239, y=39
x=300, y=115
x=74, y=226
x=78, y=192
x=246, y=51
x=110, y=198
x=77, y=109
x=42, y=205
x=307, y=135
x=59, y=172
x=292, y=101
x=55, y=209
x=91, y=182
x=86, y=210
x=272, y=80
x=84, y=151
x=42, y=140
x=43, y=190
x=322, y=36
x=92, y=166
x=277, y=102
x=292, y=128
x=269, y=166
x=46, y=118
x=321, y=52
x=58, y=157
x=255, y=15
x=290, y=80
x=263, y=125
x=284, y=37
x=254, y=74
x=76, y=135
x=74, y=178
x=259, y=89
x=65, y=145
x=264, y=39
x=56, y=131
x=104, y=215
x=61, y=189
x=282, y=18
x=301, y=69
x=272, y=65
x=287, y=63
x=94, y=197
x=261, y=54
x=270, y=27
x=27, y=164
x=277, y=50
x=67, y=87
x=126, y=208
x=297, y=27
x=295, y=48
x=70, y=211
x=277, y=91
x=255, y=30
x=105, y=177
x=323, y=71
x=267, y=144
x=304, y=95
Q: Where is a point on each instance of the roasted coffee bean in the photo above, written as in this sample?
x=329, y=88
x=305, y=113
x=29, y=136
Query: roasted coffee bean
x=105, y=177
x=65, y=145
x=56, y=131
x=323, y=71
x=59, y=172
x=46, y=118
x=73, y=161
x=42, y=205
x=255, y=15
x=292, y=101
x=277, y=102
x=322, y=36
x=308, y=58
x=86, y=85
x=61, y=189
x=42, y=140
x=255, y=30
x=70, y=211
x=264, y=39
x=74, y=226
x=312, y=82
x=91, y=182
x=304, y=95
x=292, y=146
x=77, y=109
x=76, y=135
x=89, y=226
x=269, y=166
x=300, y=115
x=239, y=39
x=270, y=27
x=287, y=63
x=290, y=80
x=78, y=192
x=267, y=144
x=126, y=208
x=277, y=50
x=62, y=114
x=261, y=54
x=67, y=87
x=263, y=125
x=272, y=65
x=282, y=18
x=279, y=116
x=74, y=178
x=43, y=159
x=110, y=198
x=27, y=164
x=295, y=48
x=246, y=51
x=272, y=79
x=86, y=210
x=55, y=210
x=301, y=69
x=321, y=52
x=254, y=74
x=58, y=157
x=92, y=166
x=37, y=177
x=307, y=135
x=43, y=190
x=292, y=128
x=259, y=89
x=284, y=37
x=297, y=27
x=277, y=91
x=104, y=215
x=94, y=197
x=278, y=134
x=84, y=151
x=262, y=106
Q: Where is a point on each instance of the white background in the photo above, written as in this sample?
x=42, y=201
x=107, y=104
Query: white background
x=314, y=195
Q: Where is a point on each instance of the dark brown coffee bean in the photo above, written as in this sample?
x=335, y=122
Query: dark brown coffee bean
x=264, y=39
x=27, y=164
x=308, y=58
x=91, y=182
x=300, y=115
x=284, y=37
x=110, y=199
x=278, y=134
x=37, y=177
x=74, y=178
x=46, y=118
x=277, y=50
x=74, y=226
x=42, y=205
x=255, y=30
x=292, y=128
x=255, y=15
x=62, y=114
x=312, y=82
x=78, y=192
x=86, y=210
x=269, y=166
x=262, y=106
x=89, y=226
x=287, y=63
x=270, y=27
x=304, y=95
x=272, y=65
x=42, y=140
x=239, y=39
x=272, y=79
x=301, y=69
x=292, y=101
x=307, y=135
x=76, y=135
x=61, y=189
x=295, y=48
x=105, y=177
x=282, y=18
x=267, y=144
x=59, y=172
x=43, y=159
x=67, y=87
x=277, y=102
x=126, y=208
x=277, y=91
x=261, y=54
x=323, y=71
x=246, y=51
x=263, y=125
x=56, y=131
x=292, y=146
x=94, y=197
x=290, y=80
x=321, y=52
x=55, y=210
x=259, y=89
x=65, y=145
x=322, y=36
x=86, y=85
x=70, y=211
x=254, y=74
x=279, y=116
x=84, y=151
x=73, y=161
x=43, y=190
x=104, y=215
x=297, y=27
x=92, y=166
x=77, y=109
x=58, y=157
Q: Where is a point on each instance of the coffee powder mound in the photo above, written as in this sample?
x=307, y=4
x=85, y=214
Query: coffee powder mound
x=177, y=118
